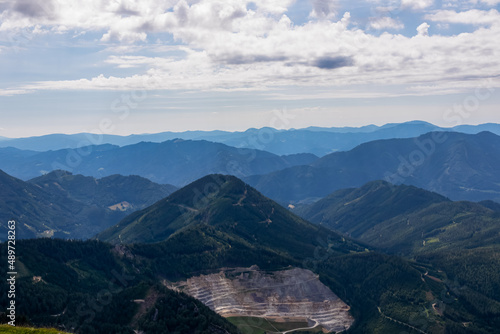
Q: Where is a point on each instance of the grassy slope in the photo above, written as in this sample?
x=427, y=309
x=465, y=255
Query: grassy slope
x=404, y=219
x=28, y=330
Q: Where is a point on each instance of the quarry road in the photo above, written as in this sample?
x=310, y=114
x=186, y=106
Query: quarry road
x=301, y=329
x=316, y=324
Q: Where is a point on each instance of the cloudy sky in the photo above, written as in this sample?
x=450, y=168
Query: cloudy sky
x=123, y=66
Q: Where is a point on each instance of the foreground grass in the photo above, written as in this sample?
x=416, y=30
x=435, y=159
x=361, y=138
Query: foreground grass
x=28, y=330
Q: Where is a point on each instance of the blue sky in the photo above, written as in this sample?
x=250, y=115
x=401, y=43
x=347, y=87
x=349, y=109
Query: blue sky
x=125, y=67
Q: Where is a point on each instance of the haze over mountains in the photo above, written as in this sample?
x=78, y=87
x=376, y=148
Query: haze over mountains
x=315, y=140
x=459, y=166
x=176, y=162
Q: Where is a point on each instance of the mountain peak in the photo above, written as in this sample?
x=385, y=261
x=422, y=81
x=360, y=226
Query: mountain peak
x=351, y=210
x=208, y=200
x=224, y=204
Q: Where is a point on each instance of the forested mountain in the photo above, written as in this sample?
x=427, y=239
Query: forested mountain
x=405, y=256
x=43, y=214
x=88, y=288
x=67, y=206
x=117, y=192
x=458, y=166
x=460, y=238
x=357, y=210
x=231, y=225
x=227, y=205
x=176, y=162
x=405, y=219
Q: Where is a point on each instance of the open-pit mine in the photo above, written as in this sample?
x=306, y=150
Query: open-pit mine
x=292, y=295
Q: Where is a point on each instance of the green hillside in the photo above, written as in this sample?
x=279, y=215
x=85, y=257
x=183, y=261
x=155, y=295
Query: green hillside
x=454, y=243
x=28, y=330
x=405, y=219
x=223, y=204
x=133, y=191
x=43, y=214
x=95, y=287
x=89, y=287
x=355, y=211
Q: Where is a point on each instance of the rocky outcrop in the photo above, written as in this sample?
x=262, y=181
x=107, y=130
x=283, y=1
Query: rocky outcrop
x=293, y=294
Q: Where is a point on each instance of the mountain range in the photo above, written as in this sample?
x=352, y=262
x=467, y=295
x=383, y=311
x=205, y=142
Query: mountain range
x=220, y=222
x=316, y=140
x=176, y=162
x=226, y=204
x=458, y=166
x=400, y=233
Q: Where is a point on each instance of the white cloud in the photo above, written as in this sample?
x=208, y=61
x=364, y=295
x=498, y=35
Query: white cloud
x=230, y=45
x=416, y=4
x=423, y=29
x=491, y=2
x=12, y=92
x=131, y=61
x=317, y=54
x=473, y=16
x=382, y=23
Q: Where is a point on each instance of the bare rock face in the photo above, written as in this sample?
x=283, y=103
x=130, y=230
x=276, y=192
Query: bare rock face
x=288, y=294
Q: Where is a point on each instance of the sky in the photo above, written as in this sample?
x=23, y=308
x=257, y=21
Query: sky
x=123, y=67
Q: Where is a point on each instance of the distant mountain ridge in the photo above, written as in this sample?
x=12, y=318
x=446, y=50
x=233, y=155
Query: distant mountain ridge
x=316, y=140
x=176, y=162
x=459, y=166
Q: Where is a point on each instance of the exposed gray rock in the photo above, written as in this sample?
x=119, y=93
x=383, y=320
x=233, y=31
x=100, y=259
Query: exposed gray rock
x=293, y=294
